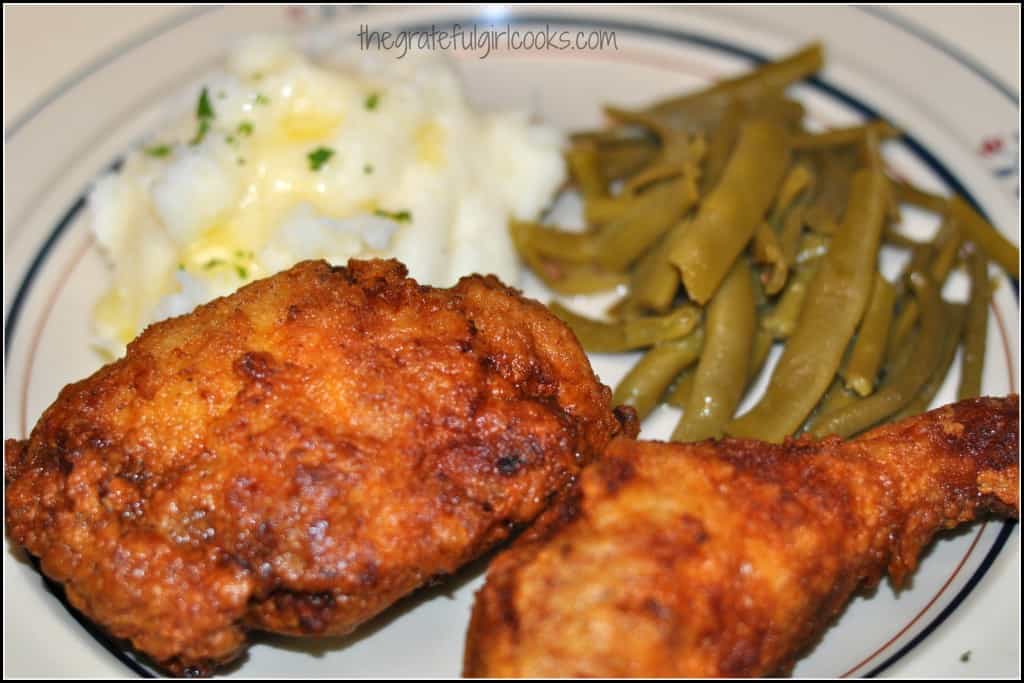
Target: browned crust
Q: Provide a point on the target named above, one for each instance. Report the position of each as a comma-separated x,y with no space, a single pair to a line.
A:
730,558
297,456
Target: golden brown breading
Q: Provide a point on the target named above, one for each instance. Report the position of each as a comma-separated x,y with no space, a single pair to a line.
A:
731,558
297,456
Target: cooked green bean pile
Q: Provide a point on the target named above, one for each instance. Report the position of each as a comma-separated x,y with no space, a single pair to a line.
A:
733,228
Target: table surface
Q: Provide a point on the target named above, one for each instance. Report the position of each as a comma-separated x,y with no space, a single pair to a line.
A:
43,45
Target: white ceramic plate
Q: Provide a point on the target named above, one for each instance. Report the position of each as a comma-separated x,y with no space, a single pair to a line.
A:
964,598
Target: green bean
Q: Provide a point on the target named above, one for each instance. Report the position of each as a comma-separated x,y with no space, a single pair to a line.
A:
629,334
682,388
605,136
644,331
835,304
922,199
760,296
720,145
598,210
920,256
571,247
651,215
681,156
821,218
894,237
679,153
762,346
900,390
798,180
991,241
624,158
774,107
647,381
781,320
954,324
907,309
722,371
837,137
767,249
837,397
812,246
623,308
947,246
872,152
901,327
792,230
571,278
976,329
767,78
649,121
869,347
773,241
835,171
727,218
654,281
897,359
937,257
679,392
585,169
562,277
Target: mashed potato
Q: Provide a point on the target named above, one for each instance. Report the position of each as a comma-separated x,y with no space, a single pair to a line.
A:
280,158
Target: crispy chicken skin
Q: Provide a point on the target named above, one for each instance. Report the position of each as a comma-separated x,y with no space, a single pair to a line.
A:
297,456
731,558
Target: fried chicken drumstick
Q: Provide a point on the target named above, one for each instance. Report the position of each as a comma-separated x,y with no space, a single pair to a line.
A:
297,456
730,558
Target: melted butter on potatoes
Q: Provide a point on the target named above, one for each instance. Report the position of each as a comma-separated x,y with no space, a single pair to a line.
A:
280,158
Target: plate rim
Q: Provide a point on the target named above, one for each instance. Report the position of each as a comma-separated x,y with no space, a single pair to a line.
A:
907,25
45,248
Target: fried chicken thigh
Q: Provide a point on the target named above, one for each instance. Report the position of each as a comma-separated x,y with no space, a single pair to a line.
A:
299,455
730,558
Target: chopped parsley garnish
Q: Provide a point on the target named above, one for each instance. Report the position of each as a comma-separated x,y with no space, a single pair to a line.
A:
204,110
372,101
400,216
318,157
213,263
204,113
158,150
181,266
245,128
242,253
204,126
242,272
367,169
262,99
230,139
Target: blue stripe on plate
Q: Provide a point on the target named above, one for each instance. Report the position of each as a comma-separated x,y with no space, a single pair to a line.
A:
93,629
926,36
990,557
671,34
